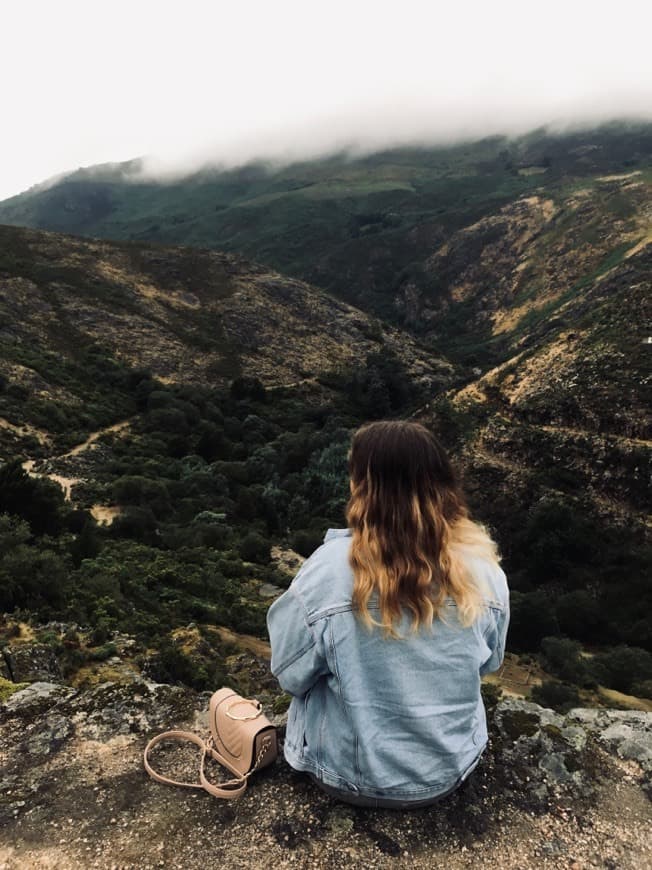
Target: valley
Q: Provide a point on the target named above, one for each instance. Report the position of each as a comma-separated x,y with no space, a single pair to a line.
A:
196,405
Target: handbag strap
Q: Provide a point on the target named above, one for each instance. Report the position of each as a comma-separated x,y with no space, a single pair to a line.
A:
231,789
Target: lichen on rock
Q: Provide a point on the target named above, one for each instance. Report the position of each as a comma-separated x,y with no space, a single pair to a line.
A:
73,792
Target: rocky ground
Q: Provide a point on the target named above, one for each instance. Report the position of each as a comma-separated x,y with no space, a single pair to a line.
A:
551,792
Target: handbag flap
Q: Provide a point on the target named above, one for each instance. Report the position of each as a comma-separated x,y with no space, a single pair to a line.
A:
235,722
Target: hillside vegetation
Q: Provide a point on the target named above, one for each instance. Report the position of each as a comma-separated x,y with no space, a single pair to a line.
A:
358,226
503,299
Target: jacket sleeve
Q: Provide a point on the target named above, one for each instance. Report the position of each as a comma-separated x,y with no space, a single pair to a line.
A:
298,658
496,634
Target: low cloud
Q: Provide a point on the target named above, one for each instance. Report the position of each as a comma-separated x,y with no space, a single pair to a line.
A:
222,84
356,133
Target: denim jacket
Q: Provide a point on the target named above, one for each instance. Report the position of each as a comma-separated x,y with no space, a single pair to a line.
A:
379,717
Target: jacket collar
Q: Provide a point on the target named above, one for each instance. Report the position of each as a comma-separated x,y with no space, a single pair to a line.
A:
336,533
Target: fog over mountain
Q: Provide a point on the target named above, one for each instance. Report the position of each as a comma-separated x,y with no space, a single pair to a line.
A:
226,85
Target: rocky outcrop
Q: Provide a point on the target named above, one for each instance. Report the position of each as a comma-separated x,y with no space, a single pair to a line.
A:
30,662
550,791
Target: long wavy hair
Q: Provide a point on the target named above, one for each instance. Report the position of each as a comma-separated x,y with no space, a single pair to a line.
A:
411,528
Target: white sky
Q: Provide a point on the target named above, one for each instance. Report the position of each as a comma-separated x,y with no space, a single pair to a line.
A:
95,81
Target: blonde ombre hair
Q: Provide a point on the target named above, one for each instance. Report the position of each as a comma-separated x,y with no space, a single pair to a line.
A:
411,529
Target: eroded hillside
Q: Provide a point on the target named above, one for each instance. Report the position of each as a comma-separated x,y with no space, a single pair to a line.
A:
502,284
76,314
565,292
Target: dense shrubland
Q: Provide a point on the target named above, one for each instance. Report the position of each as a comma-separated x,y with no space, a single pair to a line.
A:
208,480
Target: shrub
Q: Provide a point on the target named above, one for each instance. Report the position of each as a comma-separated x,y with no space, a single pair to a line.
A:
102,653
36,500
248,388
491,694
642,689
561,656
255,548
580,615
562,697
559,542
532,619
622,667
306,541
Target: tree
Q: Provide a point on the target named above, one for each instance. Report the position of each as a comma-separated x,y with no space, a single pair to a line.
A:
248,388
559,542
255,548
560,696
561,656
41,502
579,615
86,545
532,619
620,668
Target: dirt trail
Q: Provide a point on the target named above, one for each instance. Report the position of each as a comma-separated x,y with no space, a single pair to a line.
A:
100,512
93,437
585,433
25,430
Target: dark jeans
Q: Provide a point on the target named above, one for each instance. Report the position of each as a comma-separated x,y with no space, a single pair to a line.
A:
380,803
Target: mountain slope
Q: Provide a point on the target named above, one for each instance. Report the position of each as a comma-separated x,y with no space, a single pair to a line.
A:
360,228
79,316
557,457
496,285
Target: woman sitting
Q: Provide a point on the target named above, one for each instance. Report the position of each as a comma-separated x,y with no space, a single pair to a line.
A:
385,631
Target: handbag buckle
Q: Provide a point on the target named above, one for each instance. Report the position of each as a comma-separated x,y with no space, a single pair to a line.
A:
257,704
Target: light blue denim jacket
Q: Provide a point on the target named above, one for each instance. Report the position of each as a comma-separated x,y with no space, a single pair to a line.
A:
378,717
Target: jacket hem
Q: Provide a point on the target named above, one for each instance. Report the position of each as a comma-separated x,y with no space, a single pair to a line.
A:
302,764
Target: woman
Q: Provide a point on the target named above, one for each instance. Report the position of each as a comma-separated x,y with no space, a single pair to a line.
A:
385,631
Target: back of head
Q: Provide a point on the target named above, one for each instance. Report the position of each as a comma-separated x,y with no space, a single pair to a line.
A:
410,525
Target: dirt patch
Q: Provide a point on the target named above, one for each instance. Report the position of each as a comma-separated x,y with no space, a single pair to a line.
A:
547,206
515,678
645,241
25,430
245,641
623,701
120,275
622,177
474,391
535,370
105,514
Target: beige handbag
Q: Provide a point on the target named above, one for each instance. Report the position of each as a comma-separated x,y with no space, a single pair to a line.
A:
242,740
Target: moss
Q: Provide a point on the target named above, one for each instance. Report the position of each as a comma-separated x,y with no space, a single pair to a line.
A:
281,703
552,731
491,694
572,763
7,689
517,723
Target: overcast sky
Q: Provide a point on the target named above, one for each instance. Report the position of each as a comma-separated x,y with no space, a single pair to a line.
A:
95,81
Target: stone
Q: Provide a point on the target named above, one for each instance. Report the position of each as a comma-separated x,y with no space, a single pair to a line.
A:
635,749
49,736
268,590
35,697
575,736
553,764
28,663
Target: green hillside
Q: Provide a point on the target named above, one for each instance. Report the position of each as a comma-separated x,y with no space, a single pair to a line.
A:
358,227
174,420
